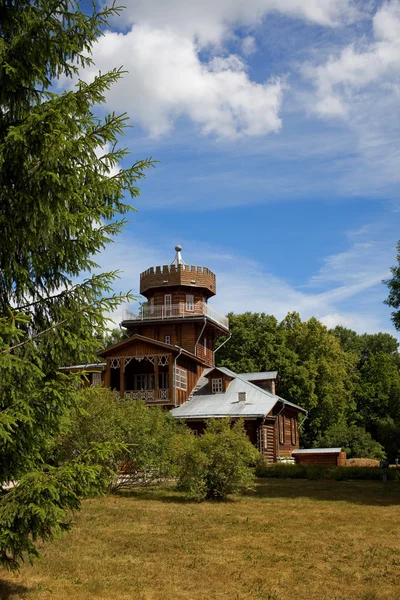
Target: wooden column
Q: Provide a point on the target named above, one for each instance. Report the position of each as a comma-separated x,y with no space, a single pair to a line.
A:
171,378
122,376
156,378
107,375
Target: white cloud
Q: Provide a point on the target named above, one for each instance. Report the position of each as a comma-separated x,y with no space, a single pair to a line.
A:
342,80
167,80
249,45
212,21
360,86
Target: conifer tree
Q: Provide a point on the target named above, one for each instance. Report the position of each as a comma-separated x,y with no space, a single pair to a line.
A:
59,205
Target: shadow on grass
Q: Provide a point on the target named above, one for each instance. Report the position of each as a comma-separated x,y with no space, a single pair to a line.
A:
371,493
12,591
164,494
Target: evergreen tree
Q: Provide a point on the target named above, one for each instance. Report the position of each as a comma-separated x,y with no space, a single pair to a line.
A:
59,205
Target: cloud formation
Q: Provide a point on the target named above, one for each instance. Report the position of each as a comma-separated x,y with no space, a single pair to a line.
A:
168,78
167,81
212,21
341,81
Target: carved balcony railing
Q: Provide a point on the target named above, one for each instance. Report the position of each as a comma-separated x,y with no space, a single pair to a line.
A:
148,395
174,311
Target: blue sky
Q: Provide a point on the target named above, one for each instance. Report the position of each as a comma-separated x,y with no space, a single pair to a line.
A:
276,124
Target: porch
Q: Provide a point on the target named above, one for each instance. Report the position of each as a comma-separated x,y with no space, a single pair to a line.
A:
148,377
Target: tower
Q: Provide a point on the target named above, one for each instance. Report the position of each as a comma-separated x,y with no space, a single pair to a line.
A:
177,311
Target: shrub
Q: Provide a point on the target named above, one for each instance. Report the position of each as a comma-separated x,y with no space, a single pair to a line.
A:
143,437
218,463
312,472
354,440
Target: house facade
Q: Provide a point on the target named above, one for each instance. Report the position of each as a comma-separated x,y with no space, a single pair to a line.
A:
169,361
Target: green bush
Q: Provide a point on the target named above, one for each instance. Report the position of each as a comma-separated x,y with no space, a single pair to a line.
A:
354,440
334,473
143,437
216,464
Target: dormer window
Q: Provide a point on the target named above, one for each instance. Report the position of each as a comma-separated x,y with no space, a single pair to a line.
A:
216,385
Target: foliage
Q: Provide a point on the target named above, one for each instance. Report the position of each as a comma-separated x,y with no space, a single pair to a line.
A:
354,440
59,205
313,472
113,336
144,436
218,463
314,372
393,300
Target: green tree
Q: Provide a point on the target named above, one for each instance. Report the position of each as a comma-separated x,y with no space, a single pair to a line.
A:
313,369
59,206
144,436
393,299
218,463
354,440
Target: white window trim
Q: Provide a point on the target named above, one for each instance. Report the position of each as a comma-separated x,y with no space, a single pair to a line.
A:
190,302
216,385
167,339
180,378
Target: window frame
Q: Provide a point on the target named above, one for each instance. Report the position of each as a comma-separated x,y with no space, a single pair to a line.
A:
180,378
167,339
96,375
217,385
189,305
281,429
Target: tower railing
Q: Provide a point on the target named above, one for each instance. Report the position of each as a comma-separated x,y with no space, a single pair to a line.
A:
176,311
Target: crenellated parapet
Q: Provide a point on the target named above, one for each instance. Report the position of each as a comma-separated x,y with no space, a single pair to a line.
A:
178,275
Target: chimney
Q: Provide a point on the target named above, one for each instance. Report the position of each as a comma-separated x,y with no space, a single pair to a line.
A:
242,396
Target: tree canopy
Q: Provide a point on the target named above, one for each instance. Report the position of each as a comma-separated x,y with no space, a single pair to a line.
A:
348,383
60,203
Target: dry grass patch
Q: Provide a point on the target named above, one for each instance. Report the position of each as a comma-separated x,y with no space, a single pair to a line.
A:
289,540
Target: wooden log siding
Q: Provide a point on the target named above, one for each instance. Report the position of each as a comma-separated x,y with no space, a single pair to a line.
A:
321,459
182,275
287,432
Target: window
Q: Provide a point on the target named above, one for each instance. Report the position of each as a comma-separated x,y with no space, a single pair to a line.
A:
167,339
216,385
163,380
293,430
205,345
282,430
140,382
180,378
189,303
96,378
151,305
265,438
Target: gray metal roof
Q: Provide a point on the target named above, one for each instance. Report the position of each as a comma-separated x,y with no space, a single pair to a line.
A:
259,376
318,451
85,366
205,405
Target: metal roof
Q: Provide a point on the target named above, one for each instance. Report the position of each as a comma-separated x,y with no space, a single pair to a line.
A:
205,405
318,451
85,366
259,376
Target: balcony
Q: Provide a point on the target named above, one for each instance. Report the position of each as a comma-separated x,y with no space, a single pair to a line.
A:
177,311
148,395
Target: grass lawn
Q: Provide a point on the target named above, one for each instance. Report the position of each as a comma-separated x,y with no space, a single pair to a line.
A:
288,540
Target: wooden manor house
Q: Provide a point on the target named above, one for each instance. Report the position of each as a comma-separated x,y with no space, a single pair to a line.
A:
169,361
